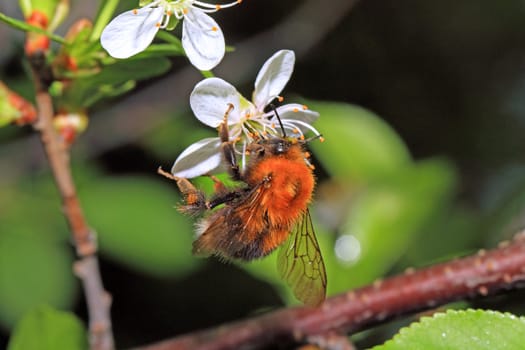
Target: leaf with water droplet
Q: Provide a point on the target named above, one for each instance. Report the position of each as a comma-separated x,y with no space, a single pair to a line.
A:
465,329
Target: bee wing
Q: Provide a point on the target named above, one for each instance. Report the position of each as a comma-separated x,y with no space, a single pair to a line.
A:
301,265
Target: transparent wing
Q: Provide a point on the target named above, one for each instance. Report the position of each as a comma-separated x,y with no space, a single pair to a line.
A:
301,265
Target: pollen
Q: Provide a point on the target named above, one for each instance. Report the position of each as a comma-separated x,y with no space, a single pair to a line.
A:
301,137
280,98
273,125
169,13
158,24
305,107
321,139
185,11
239,1
307,154
295,130
135,11
296,110
214,29
217,7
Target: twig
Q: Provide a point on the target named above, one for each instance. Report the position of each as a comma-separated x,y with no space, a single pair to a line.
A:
484,273
86,268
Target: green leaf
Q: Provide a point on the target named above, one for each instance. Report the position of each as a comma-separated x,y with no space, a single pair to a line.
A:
469,329
35,254
112,80
385,219
47,329
15,23
33,270
359,145
26,6
138,225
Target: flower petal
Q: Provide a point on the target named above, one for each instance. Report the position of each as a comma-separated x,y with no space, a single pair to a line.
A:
131,32
295,111
202,39
209,101
273,77
198,159
294,115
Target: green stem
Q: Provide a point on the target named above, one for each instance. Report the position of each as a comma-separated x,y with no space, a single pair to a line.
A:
15,23
105,13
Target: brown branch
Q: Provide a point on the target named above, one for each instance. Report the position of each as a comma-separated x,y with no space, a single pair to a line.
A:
484,273
86,268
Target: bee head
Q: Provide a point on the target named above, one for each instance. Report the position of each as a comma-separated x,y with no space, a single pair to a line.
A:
279,145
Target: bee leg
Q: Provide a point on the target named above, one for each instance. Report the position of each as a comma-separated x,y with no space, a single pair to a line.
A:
194,200
228,150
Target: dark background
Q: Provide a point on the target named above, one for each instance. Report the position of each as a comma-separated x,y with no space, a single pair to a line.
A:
447,76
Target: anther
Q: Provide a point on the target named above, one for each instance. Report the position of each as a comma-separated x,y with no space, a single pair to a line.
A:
214,29
135,11
217,7
305,107
280,98
296,110
321,139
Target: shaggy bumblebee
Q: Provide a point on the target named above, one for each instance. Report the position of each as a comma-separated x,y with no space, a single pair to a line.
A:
269,209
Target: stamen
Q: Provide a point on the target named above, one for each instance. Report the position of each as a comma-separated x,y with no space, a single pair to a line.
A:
321,139
280,98
296,110
135,11
305,107
214,29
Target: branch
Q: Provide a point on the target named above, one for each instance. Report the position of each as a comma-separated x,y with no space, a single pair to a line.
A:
86,267
484,273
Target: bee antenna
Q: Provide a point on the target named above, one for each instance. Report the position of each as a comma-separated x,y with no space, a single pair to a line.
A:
278,118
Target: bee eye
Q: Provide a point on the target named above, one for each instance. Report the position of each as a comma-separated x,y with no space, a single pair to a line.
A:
280,147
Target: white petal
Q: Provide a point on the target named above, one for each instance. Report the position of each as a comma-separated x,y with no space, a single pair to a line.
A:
296,116
209,101
202,40
198,159
273,77
295,111
131,32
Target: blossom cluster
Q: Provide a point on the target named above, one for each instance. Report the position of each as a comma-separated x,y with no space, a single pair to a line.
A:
133,31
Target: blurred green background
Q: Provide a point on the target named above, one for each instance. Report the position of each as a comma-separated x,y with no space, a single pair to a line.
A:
423,109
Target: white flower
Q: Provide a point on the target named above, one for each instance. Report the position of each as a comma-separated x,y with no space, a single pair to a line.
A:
133,31
210,99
